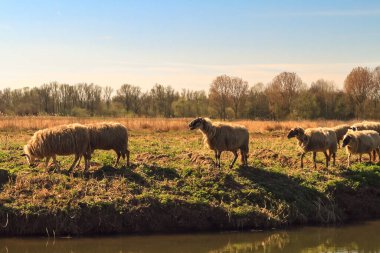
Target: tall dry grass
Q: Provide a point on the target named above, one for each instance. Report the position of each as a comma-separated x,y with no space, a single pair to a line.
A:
154,124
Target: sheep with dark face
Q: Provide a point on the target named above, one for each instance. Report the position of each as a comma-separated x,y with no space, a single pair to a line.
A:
221,137
340,131
316,140
60,140
362,142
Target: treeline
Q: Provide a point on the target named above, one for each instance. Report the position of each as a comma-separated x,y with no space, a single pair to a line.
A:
285,97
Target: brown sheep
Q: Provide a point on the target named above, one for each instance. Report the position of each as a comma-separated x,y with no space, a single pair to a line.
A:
109,135
340,131
60,140
316,140
221,137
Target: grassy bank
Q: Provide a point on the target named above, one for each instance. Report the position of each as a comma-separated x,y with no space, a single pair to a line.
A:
173,186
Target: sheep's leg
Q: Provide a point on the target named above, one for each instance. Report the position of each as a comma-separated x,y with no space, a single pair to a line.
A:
234,160
216,158
244,155
327,159
334,158
118,158
74,163
302,155
56,165
360,158
348,160
47,163
219,154
87,158
314,159
374,155
245,158
127,153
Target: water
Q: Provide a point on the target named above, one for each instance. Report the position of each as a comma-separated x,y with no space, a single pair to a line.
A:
364,237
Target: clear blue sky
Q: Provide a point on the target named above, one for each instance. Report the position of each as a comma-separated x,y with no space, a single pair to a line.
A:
184,44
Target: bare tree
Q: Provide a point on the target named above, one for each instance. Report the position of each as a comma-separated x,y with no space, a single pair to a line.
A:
324,91
238,93
107,93
130,95
359,85
282,91
219,94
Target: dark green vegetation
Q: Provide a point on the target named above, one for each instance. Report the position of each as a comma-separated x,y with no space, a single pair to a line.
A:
173,186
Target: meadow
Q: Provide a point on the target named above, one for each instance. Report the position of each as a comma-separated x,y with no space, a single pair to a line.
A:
172,184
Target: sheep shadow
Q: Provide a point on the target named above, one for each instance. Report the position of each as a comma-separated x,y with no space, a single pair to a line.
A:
368,176
4,178
107,171
159,173
293,190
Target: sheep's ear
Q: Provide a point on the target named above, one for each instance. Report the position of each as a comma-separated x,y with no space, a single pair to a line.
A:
23,155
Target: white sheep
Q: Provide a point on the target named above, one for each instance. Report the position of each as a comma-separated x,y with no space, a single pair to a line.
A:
110,136
60,140
221,137
362,142
316,140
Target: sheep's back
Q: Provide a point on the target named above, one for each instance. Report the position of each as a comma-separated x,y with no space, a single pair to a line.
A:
108,136
368,125
321,139
340,131
229,137
62,140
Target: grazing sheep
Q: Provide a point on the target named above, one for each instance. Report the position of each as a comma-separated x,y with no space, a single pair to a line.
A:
366,125
316,140
109,135
362,142
340,131
60,140
223,137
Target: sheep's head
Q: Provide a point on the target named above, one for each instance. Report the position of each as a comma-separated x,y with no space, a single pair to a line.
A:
347,139
353,128
295,132
197,123
29,157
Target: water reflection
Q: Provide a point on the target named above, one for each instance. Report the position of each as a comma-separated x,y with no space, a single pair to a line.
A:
353,238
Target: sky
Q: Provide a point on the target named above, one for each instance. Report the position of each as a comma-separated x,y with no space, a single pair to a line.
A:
184,43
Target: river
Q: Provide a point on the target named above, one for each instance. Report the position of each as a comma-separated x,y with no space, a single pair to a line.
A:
363,237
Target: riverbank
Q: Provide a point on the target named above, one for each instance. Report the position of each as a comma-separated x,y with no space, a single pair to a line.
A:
172,186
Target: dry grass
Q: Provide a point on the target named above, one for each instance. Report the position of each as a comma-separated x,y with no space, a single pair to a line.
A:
155,124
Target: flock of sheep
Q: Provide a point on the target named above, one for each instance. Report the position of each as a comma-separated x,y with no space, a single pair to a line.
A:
81,141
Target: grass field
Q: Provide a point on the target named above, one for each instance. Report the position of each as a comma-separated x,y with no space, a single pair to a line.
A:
172,184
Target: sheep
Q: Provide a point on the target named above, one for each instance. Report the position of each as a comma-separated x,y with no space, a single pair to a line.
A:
60,140
221,137
362,142
110,135
340,131
316,140
366,125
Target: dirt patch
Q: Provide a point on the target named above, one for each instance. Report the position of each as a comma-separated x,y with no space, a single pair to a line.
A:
268,154
200,159
149,158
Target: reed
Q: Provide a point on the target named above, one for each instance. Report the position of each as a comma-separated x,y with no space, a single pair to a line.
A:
155,124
